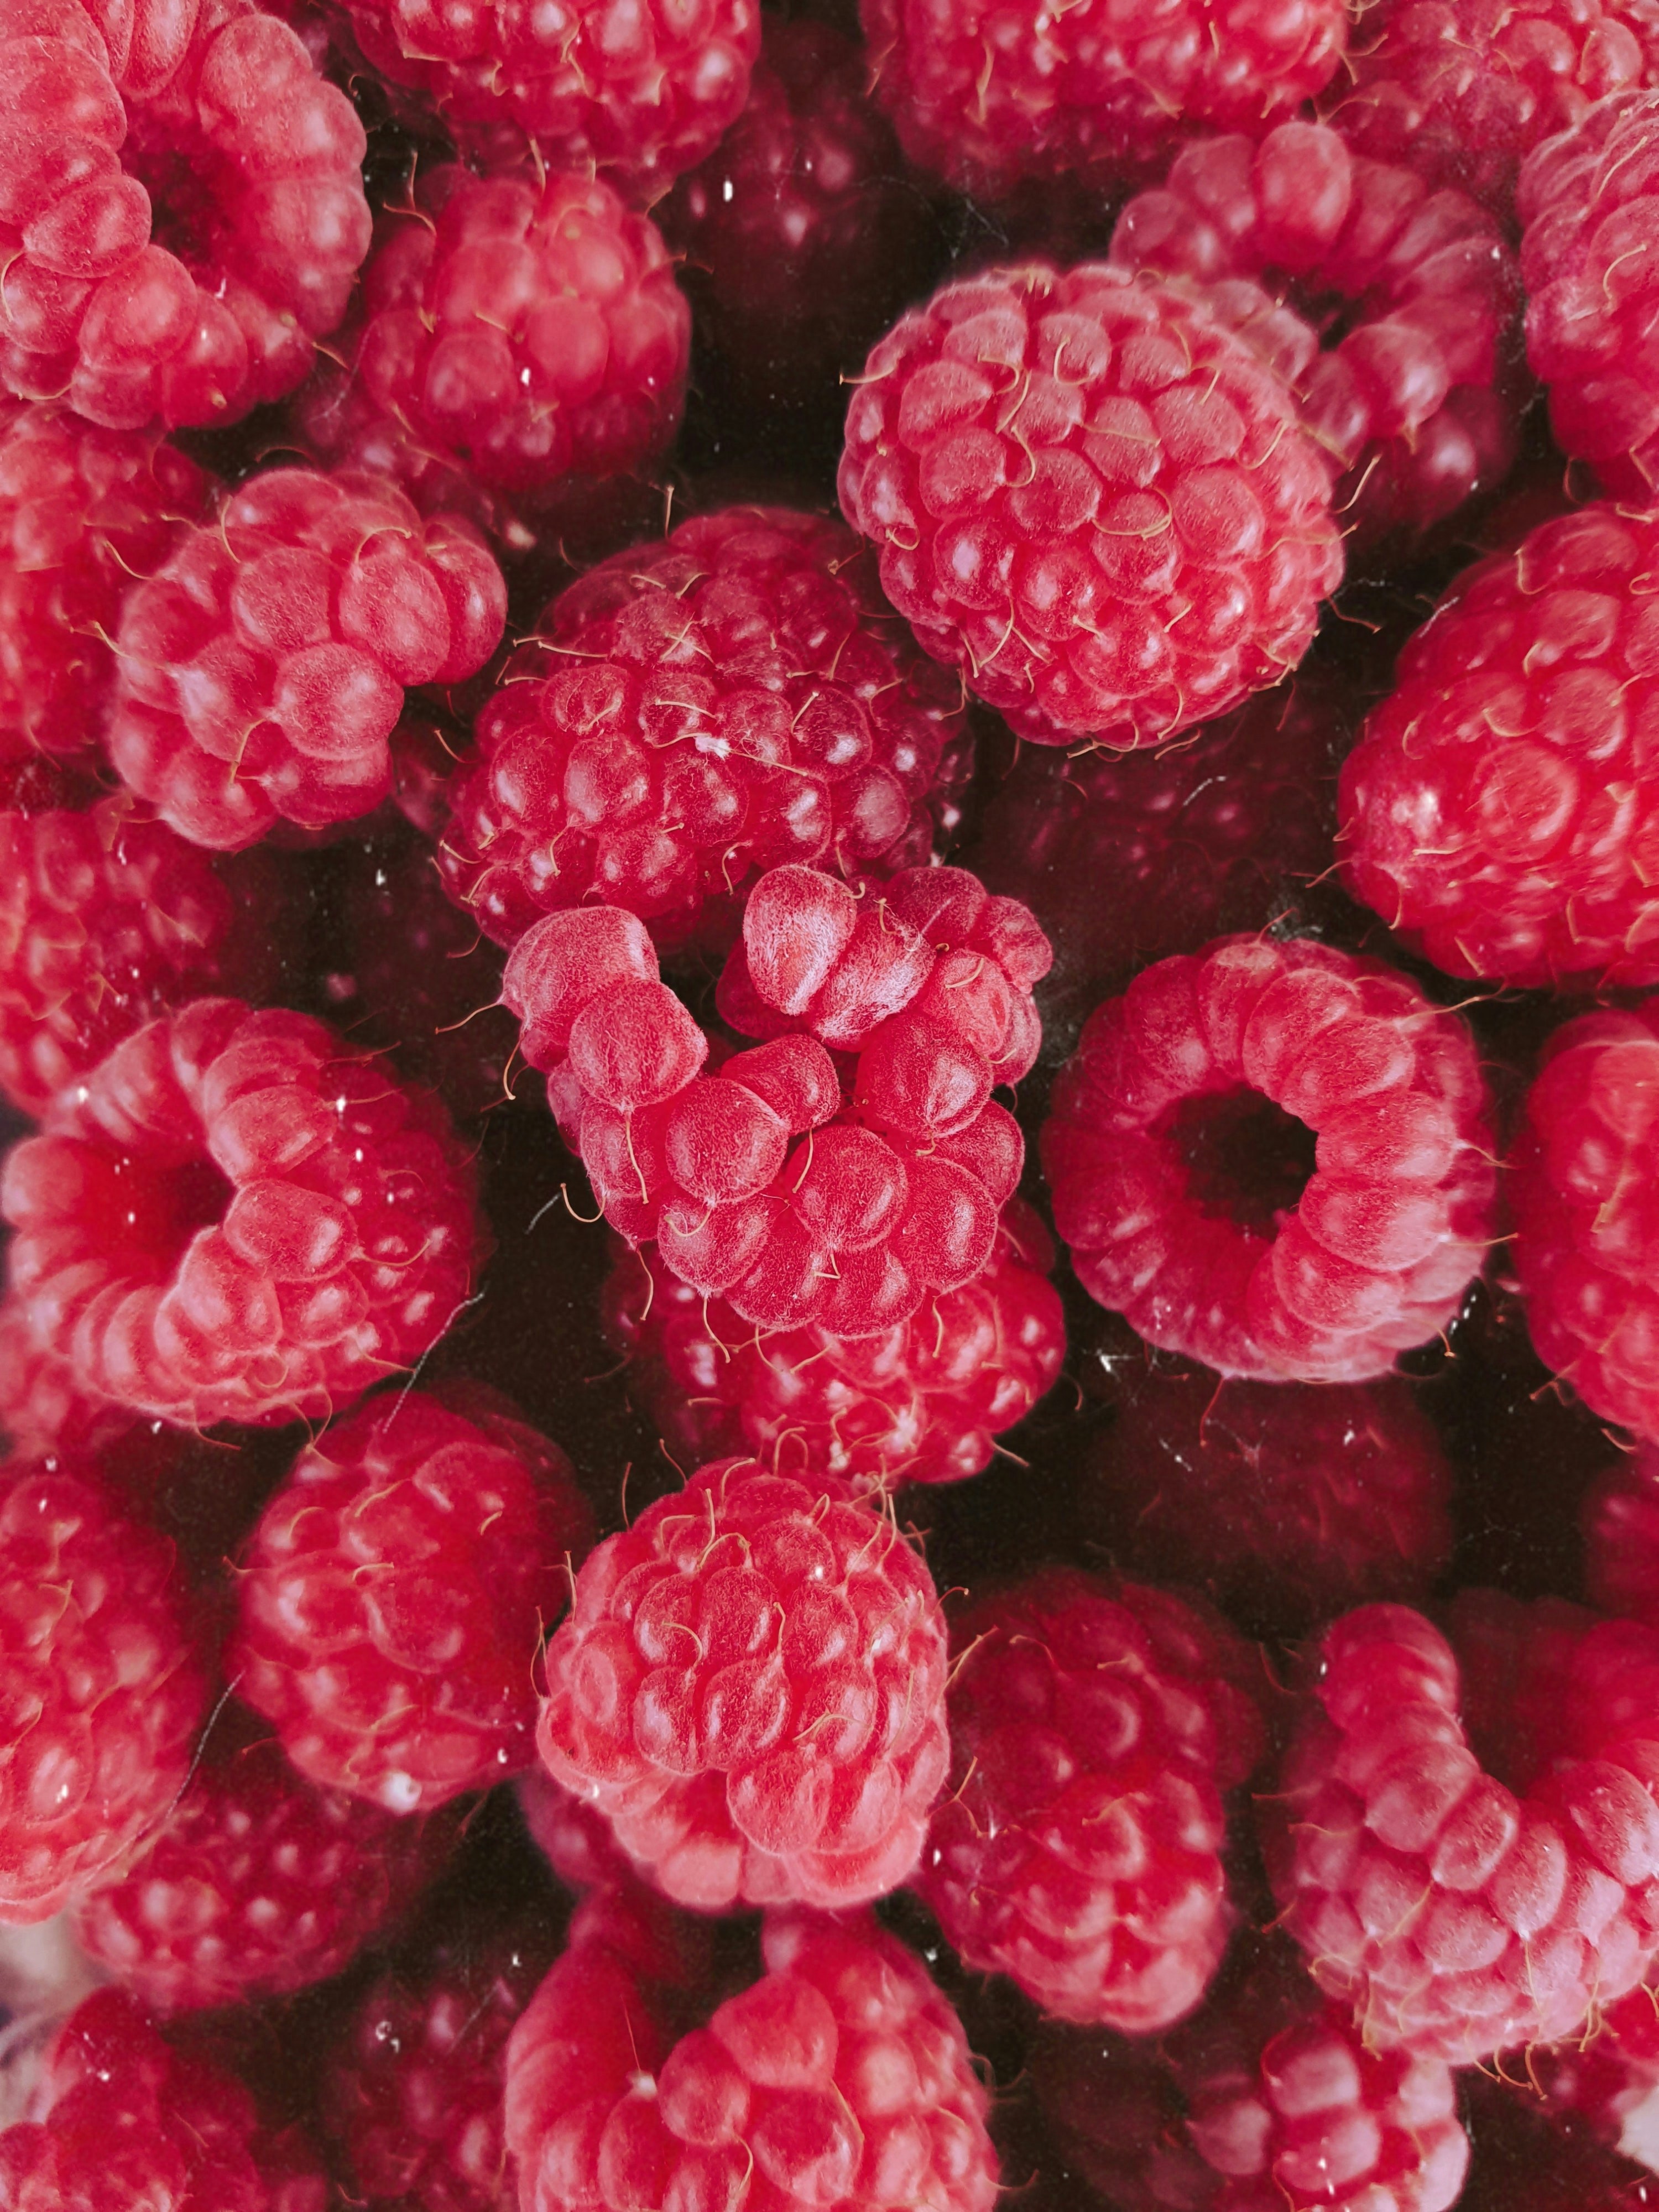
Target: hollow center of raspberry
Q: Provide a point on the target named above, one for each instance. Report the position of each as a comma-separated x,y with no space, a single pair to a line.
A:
155,1212
1246,1158
185,201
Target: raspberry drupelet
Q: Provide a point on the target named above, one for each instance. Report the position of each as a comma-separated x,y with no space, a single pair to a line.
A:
751,1685
1275,1158
734,697
1583,1171
989,98
1093,498
198,222
515,339
1095,1729
392,1601
237,1218
262,669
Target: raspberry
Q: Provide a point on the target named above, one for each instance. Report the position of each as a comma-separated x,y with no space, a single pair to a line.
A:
391,1600
1581,1172
1612,2080
1498,809
235,1217
1094,1728
1590,207
1457,1916
121,2120
108,919
574,1837
258,1884
1178,1154
44,1410
751,1685
841,2077
1415,398
924,1402
1059,467
83,510
103,1687
1287,1504
183,213
263,667
693,712
513,333
988,98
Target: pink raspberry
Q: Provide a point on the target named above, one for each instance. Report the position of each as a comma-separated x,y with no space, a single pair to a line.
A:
393,1598
514,337
183,213
262,668
924,1402
1583,1171
235,1217
1499,811
1416,396
1178,1154
737,697
1095,1728
104,1689
842,2077
1093,499
988,97
1590,203
573,1836
83,511
1610,2082
1287,1503
121,2119
751,1685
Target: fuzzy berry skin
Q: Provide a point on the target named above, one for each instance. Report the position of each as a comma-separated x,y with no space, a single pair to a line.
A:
1581,1172
1416,400
83,511
750,1685
1458,1916
989,97
120,2120
1499,811
1286,1503
922,1402
262,668
104,1686
235,1217
258,1885
511,332
392,1601
733,698
1095,1728
1092,499
198,222
1187,1202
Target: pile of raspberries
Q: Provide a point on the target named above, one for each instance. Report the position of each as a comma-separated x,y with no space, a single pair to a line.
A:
828,1106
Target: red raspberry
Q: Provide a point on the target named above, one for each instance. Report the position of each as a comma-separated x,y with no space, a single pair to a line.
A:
571,1836
262,668
987,97
922,1402
1061,466
235,1217
44,1410
83,511
841,2077
1458,1916
1178,1153
183,213
693,712
1611,2080
1094,1728
1582,1172
750,1685
512,332
121,2120
257,1885
392,1601
1590,207
1415,398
